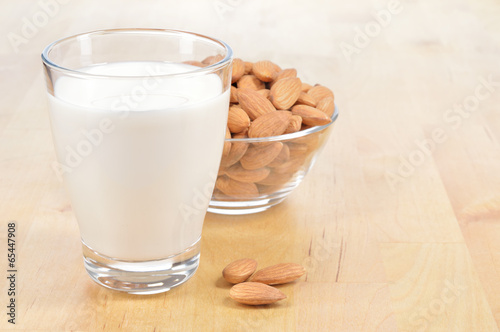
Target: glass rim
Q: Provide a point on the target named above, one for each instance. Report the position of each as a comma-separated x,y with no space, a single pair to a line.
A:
196,70
285,137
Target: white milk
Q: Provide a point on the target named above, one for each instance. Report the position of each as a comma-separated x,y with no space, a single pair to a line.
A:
139,157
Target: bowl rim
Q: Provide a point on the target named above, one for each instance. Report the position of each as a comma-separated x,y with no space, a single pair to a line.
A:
300,133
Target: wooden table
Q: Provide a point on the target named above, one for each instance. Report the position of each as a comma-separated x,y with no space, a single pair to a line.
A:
398,224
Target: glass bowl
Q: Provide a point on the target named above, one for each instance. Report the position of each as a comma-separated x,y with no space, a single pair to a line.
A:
259,173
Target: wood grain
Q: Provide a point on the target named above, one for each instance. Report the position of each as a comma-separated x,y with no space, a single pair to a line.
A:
398,230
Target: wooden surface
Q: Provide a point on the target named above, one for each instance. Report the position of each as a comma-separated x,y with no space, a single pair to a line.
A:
398,224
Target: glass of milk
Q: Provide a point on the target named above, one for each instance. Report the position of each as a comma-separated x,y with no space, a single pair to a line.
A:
138,124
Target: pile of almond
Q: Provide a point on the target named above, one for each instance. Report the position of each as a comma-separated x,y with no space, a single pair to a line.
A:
268,101
253,288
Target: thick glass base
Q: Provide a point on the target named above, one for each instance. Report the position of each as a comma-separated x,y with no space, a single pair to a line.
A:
243,207
142,277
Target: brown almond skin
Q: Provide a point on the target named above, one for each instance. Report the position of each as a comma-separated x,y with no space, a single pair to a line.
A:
278,274
210,60
237,172
270,124
306,87
260,156
285,73
311,116
233,99
236,188
194,63
254,103
254,293
285,92
239,270
277,177
284,171
264,92
281,158
327,106
238,150
294,125
237,119
250,82
227,145
306,99
238,69
221,170
265,70
319,92
248,67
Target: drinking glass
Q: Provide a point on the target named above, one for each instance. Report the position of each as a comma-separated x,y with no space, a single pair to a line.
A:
138,120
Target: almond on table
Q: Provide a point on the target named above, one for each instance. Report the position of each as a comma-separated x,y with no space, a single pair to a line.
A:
256,290
239,270
255,293
278,274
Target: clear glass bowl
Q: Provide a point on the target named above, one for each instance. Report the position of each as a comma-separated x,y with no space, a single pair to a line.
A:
259,173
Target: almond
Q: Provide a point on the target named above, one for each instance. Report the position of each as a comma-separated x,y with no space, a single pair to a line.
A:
306,99
306,87
254,103
227,145
284,172
264,92
194,63
221,170
260,156
239,270
237,119
278,274
237,172
236,188
250,82
310,115
254,293
294,125
266,190
311,140
238,69
265,70
285,73
243,134
248,67
297,149
237,151
281,158
210,60
327,106
285,93
276,178
319,92
270,124
233,99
